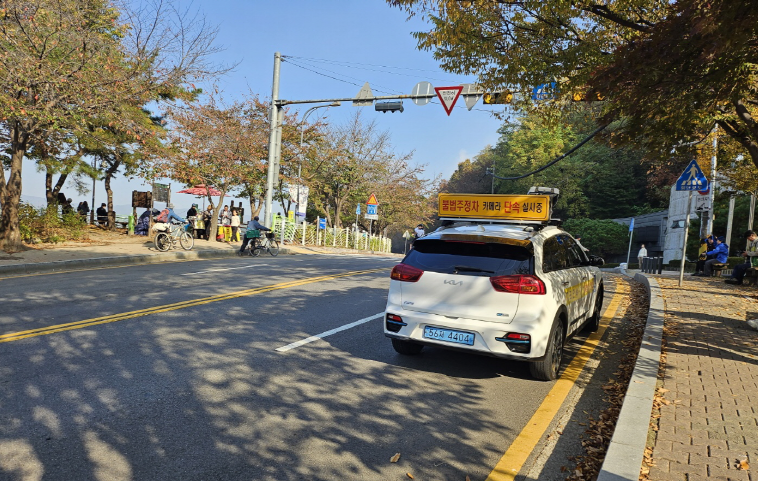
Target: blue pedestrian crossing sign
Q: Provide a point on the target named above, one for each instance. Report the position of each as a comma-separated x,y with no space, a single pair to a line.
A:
371,209
692,178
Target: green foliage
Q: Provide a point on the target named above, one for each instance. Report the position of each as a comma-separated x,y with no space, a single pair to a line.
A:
46,225
667,70
601,237
596,181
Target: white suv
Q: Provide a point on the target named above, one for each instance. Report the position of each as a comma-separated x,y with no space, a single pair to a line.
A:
510,291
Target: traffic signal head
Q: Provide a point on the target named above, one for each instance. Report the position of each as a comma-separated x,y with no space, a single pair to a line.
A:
498,97
388,106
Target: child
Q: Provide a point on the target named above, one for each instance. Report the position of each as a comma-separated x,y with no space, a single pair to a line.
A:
235,226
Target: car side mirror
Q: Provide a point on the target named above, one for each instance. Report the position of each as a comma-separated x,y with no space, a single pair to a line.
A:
596,261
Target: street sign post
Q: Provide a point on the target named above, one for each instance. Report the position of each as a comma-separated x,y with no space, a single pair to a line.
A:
322,224
691,179
471,95
372,206
365,95
422,88
448,96
358,210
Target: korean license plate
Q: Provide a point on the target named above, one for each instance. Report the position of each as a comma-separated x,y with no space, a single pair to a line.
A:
449,335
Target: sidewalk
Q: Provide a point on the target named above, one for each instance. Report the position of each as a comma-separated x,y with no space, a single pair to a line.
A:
708,425
105,248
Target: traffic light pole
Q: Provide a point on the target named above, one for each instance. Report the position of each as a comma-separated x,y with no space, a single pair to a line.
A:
272,143
276,118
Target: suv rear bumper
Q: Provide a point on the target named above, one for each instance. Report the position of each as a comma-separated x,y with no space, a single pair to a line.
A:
486,333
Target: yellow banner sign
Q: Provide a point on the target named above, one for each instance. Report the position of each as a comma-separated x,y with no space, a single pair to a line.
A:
495,206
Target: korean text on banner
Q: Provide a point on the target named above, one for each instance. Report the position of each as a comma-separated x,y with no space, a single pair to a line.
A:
494,206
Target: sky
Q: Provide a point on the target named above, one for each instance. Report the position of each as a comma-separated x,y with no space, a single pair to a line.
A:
331,48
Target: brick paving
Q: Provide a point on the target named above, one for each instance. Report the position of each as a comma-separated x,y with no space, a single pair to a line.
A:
709,416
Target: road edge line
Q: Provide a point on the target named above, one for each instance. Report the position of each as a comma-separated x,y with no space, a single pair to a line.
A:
623,460
511,463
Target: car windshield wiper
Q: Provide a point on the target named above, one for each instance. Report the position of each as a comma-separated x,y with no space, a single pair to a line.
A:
470,269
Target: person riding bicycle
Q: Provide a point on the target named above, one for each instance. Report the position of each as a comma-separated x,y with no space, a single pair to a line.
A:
252,225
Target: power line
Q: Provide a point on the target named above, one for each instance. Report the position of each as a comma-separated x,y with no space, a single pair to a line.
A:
347,65
554,161
390,91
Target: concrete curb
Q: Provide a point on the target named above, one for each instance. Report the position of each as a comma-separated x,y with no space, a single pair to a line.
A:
37,267
623,460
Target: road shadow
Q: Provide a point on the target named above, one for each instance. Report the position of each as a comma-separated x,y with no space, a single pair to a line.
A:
201,394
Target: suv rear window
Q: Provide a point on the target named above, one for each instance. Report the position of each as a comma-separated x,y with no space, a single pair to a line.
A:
470,258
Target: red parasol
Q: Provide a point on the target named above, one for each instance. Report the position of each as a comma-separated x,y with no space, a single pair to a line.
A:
200,190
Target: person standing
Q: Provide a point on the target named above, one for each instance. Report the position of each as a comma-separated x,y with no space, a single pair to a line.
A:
738,273
235,224
716,256
224,219
207,217
641,255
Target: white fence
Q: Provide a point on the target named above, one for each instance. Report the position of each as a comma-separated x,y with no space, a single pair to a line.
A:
306,234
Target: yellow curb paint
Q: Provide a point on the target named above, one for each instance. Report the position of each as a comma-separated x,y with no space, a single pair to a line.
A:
514,458
15,336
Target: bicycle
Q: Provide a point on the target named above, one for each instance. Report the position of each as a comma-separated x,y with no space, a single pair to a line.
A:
268,244
170,235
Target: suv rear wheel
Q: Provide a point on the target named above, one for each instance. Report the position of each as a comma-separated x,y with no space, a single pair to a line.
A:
547,369
407,348
594,323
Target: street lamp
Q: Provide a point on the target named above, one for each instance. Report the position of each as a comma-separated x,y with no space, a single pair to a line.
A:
302,133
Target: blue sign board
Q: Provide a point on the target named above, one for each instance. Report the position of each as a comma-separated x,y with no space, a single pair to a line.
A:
322,223
358,210
692,178
371,209
544,92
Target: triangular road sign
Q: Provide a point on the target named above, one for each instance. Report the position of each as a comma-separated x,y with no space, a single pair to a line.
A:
692,178
471,95
372,200
365,93
448,96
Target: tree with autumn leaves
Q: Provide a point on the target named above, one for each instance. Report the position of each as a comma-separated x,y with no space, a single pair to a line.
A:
71,67
667,71
355,159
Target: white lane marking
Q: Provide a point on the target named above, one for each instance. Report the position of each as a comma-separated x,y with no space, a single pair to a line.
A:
223,269
328,333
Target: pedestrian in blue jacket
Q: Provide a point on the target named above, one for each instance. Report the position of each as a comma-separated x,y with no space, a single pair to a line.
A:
716,256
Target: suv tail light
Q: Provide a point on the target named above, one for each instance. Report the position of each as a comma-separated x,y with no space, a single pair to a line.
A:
518,284
405,273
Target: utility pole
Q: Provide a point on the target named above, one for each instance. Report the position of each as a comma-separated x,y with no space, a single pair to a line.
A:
713,180
729,221
272,142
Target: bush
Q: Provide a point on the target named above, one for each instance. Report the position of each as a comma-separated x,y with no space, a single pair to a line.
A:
602,237
46,225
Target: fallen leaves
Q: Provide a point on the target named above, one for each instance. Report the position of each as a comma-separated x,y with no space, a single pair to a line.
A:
395,458
409,475
742,464
600,430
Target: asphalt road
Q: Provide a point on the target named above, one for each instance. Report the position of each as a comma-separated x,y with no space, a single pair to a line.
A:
188,371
